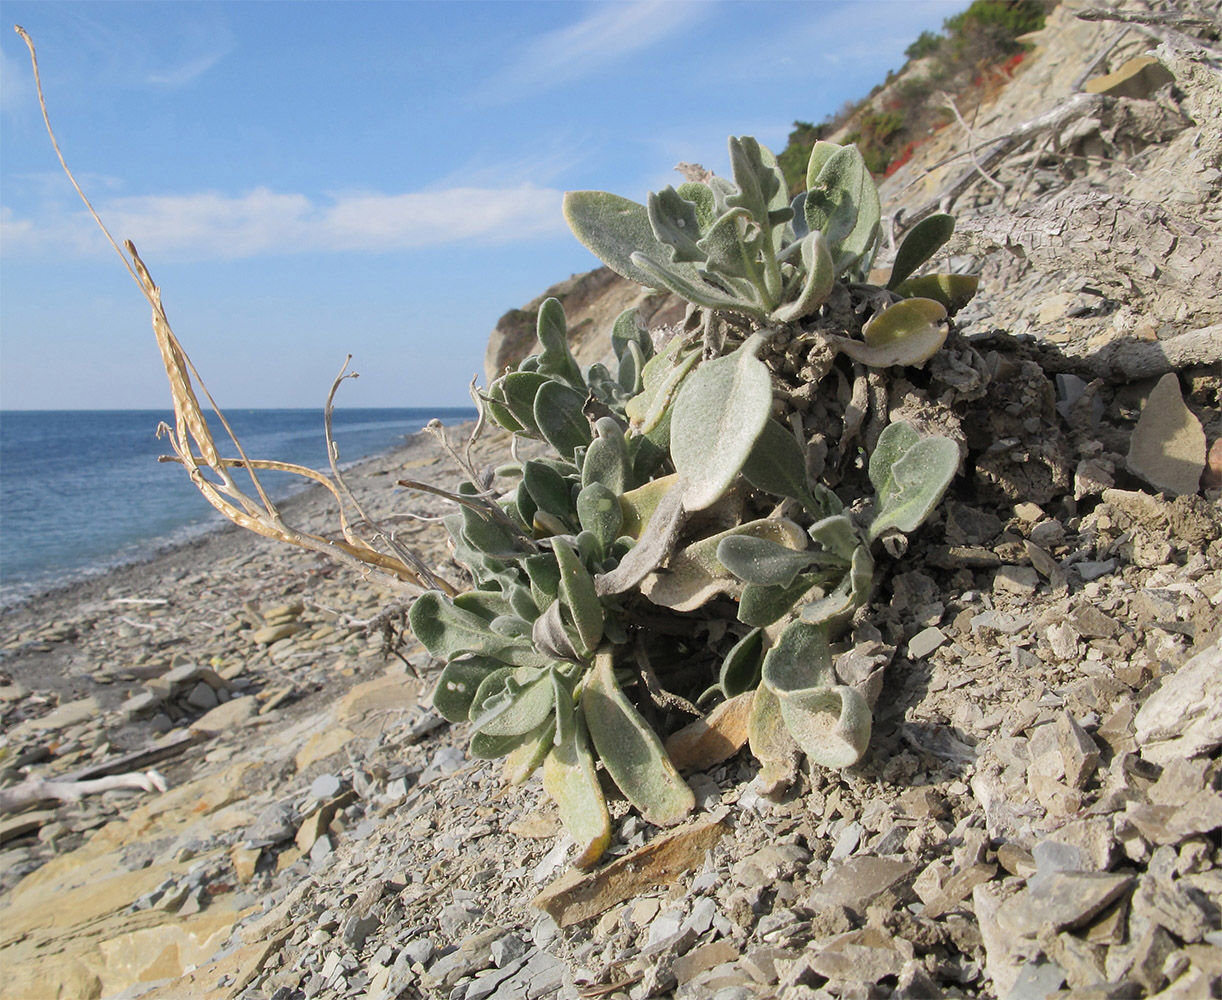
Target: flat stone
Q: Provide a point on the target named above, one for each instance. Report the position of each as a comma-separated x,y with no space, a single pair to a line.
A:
1036,981
1079,754
957,888
857,881
1019,581
202,696
322,745
268,634
472,955
1061,900
1167,448
71,713
227,717
703,958
925,642
1183,718
577,896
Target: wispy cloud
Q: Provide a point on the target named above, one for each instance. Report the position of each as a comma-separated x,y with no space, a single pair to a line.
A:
613,32
204,42
16,90
215,225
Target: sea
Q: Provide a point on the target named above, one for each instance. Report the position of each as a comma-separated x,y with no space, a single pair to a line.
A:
82,491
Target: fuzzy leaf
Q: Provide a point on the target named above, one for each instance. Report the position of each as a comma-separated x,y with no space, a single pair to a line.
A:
485,747
729,249
544,573
517,707
458,683
771,743
740,670
571,781
834,610
655,544
579,597
607,458
816,286
759,182
613,229
548,488
776,465
830,723
926,238
910,332
692,287
674,223
836,535
842,203
638,505
599,512
761,606
520,389
522,761
659,381
556,359
447,632
631,751
701,196
559,415
954,291
627,330
910,475
494,402
551,636
719,413
764,562
820,153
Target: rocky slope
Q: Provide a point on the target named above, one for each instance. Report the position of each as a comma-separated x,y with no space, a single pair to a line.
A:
1039,812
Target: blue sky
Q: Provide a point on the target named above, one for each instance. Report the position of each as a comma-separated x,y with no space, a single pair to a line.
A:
306,180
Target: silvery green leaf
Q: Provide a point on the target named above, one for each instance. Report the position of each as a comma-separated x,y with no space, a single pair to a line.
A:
524,759
776,465
771,743
910,474
518,706
837,536
740,670
627,330
925,239
489,536
650,449
563,686
570,779
954,291
548,488
607,458
830,723
613,229
655,544
560,416
820,275
835,610
599,512
556,360
494,402
692,287
589,549
511,626
523,603
579,598
761,186
447,631
908,332
732,247
764,562
720,411
798,207
525,507
487,604
520,389
674,223
701,196
800,659
551,637
760,606
631,751
661,380
485,747
843,204
638,505
631,365
459,681
820,153
544,573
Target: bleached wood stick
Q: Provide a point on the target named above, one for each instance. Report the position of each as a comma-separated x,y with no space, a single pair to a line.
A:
39,789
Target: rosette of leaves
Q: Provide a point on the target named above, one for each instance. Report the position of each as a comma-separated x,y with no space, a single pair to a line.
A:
670,545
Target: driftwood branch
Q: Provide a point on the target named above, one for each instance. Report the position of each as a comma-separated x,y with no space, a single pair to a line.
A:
34,790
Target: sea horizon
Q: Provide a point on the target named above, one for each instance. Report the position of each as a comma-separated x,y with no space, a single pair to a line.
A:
82,491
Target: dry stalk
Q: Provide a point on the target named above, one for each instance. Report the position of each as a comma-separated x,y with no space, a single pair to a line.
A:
195,447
